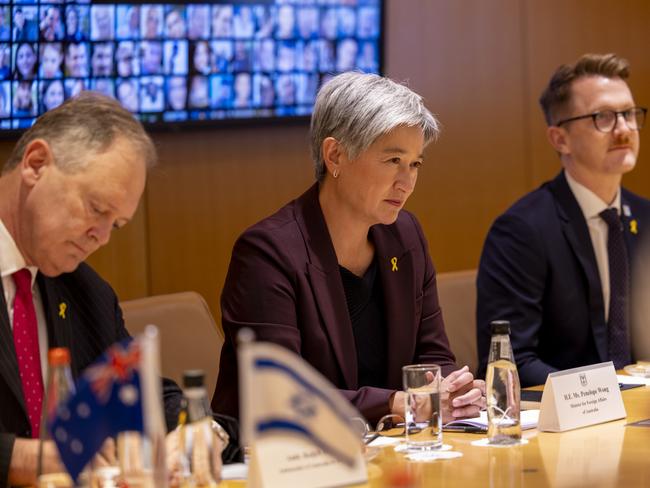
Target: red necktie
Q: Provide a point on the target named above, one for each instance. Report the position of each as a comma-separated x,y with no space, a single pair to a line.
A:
26,345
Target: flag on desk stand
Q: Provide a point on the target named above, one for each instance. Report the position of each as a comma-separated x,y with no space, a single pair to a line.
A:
287,402
120,392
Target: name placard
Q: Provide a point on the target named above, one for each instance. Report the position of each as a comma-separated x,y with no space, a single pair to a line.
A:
283,461
580,397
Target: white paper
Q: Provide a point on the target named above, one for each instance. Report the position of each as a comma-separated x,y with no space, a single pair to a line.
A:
632,380
528,419
235,471
386,441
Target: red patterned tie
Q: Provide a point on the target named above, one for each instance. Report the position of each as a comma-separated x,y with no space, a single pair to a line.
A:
26,345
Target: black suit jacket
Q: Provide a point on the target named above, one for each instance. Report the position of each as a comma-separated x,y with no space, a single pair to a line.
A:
93,321
538,270
284,283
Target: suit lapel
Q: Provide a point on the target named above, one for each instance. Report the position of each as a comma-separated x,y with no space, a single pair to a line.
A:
577,234
325,278
8,360
58,320
398,284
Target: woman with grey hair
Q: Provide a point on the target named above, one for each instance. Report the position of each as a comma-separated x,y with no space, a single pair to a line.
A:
342,275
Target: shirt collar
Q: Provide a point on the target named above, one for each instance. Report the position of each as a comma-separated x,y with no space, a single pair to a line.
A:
11,260
590,203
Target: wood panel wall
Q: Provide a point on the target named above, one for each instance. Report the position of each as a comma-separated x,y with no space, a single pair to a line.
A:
481,66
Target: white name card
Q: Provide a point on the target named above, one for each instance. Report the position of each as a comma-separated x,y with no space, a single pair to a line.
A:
580,397
283,461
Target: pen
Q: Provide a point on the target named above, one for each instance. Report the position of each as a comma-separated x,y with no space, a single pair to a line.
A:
465,429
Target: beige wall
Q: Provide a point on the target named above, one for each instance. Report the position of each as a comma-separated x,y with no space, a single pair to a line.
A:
480,65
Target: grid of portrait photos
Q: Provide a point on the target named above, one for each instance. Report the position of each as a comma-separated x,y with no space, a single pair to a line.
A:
181,61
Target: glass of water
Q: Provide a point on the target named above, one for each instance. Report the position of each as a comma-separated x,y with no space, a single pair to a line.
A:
423,414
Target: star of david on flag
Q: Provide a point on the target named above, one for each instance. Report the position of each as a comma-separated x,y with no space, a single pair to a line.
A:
108,401
280,394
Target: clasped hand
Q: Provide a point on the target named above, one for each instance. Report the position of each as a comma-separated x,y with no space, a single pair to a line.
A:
461,396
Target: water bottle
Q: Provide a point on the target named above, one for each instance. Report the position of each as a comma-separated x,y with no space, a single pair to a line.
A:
502,388
59,387
196,435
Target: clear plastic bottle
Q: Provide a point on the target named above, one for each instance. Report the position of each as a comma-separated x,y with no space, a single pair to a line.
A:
59,387
196,435
502,388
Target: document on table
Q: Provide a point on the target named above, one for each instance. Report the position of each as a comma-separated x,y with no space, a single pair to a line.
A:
236,471
528,419
624,379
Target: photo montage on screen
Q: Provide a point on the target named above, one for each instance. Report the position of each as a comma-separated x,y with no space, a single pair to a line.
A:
174,62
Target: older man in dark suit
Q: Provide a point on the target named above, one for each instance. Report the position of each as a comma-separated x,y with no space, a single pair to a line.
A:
72,178
558,263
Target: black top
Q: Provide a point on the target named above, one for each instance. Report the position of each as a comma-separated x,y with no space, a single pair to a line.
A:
366,308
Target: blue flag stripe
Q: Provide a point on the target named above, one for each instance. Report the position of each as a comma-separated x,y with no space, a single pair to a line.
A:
291,427
272,364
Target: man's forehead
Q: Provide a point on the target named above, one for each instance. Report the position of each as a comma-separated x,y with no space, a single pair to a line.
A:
594,91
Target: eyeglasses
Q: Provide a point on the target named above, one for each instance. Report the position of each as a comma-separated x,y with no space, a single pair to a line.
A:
606,120
388,426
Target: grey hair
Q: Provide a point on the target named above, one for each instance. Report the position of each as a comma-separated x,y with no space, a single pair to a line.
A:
357,108
88,123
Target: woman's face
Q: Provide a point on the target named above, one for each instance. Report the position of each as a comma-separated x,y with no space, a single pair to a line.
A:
53,96
378,182
26,60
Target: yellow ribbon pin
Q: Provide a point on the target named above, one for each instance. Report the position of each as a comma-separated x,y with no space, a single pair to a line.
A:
633,227
62,308
393,261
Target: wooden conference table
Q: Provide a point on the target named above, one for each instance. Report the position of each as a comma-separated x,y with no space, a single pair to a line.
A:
604,455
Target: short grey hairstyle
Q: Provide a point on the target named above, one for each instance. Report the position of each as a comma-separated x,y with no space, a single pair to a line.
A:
357,108
87,123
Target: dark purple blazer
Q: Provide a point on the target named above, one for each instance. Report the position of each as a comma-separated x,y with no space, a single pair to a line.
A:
284,283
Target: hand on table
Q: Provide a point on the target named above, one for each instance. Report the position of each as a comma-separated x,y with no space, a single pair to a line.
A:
174,458
461,395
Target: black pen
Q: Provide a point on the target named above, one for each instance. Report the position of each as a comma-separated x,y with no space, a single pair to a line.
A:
465,429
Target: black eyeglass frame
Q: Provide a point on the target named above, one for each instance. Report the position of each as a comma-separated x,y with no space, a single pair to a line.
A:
593,116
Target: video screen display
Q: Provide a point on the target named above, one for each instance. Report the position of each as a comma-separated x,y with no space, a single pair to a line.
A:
180,62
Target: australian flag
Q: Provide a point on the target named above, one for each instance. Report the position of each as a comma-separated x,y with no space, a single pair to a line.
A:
108,401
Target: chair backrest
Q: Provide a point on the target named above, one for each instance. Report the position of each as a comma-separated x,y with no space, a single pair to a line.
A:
457,294
189,336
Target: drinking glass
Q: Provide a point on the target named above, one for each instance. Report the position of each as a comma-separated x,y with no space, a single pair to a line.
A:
422,406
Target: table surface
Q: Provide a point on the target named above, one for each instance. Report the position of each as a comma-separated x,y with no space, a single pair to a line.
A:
603,455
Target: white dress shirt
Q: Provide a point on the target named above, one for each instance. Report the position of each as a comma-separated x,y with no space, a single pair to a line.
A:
11,261
591,206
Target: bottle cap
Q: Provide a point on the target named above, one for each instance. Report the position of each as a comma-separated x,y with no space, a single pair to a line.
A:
500,327
193,378
58,356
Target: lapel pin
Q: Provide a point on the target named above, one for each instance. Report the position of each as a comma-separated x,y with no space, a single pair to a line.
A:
626,211
633,226
62,308
393,261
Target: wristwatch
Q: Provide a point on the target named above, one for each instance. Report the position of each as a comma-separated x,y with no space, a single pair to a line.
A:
220,432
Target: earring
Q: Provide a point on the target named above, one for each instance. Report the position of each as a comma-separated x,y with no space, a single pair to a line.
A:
335,173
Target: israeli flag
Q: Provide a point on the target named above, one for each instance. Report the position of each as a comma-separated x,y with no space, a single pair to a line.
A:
281,394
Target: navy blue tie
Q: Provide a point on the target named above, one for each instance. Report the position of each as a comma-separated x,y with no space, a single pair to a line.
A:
619,288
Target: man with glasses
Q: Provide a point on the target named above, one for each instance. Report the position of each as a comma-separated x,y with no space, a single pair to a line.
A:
557,264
